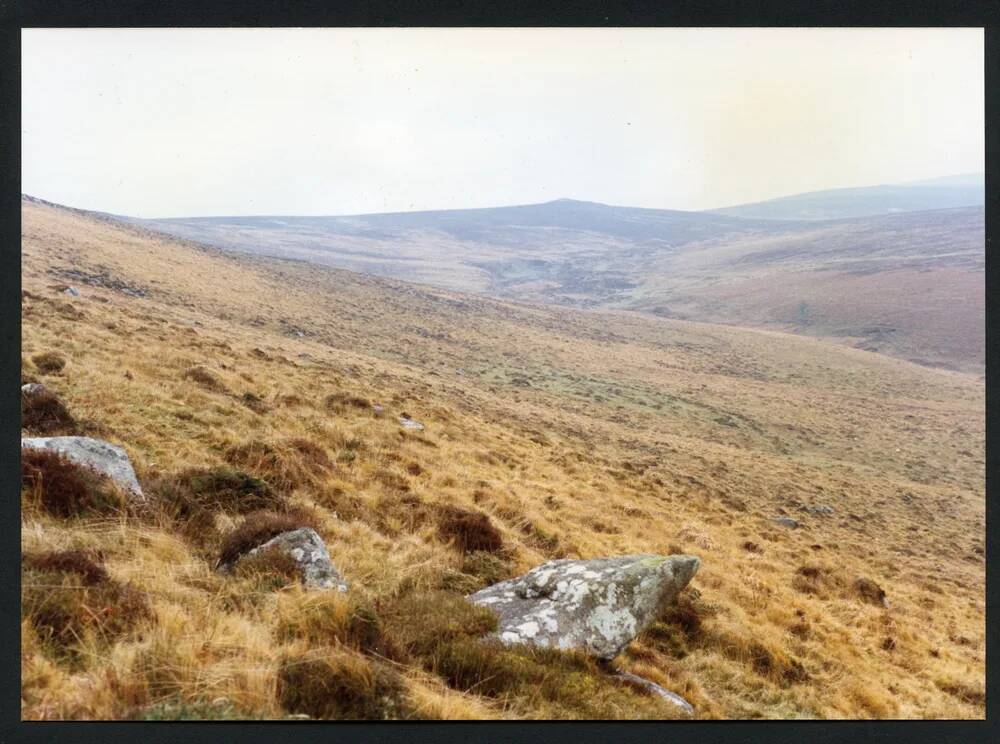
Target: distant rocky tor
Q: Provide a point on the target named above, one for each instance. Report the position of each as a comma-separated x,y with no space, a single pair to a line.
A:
308,551
596,605
96,454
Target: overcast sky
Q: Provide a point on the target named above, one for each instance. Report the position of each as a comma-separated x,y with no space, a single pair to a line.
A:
156,123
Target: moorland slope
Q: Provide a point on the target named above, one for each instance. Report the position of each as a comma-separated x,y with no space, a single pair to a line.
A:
576,433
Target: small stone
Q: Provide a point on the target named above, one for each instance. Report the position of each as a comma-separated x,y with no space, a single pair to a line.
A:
408,423
32,388
308,551
786,522
655,689
72,291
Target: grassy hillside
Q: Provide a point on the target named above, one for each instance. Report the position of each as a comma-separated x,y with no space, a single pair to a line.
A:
577,433
868,201
910,285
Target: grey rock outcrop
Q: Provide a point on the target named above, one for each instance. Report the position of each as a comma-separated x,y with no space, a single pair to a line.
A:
100,456
32,388
408,423
654,689
308,551
596,605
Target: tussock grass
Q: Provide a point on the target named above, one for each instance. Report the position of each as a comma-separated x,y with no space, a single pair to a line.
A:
43,414
220,489
285,466
205,378
49,362
73,604
469,530
340,684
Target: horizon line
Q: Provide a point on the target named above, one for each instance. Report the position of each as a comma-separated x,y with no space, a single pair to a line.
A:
917,183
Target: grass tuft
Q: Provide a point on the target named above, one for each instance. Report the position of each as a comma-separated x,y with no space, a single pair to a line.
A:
49,362
286,466
205,378
44,414
341,684
72,603
470,530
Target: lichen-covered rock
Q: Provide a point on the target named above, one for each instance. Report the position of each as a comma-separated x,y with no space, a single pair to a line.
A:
598,605
408,423
654,689
309,552
96,454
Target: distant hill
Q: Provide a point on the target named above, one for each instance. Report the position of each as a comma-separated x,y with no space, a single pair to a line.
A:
938,193
909,284
492,223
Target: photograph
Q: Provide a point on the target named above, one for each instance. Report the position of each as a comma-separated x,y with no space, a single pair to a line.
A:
447,373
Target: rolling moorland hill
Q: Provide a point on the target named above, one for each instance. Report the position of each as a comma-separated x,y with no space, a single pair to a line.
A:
577,433
869,201
908,284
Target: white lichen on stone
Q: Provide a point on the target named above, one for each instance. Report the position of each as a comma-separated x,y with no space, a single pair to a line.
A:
309,552
598,605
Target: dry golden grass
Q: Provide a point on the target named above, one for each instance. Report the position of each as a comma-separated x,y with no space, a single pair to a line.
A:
574,433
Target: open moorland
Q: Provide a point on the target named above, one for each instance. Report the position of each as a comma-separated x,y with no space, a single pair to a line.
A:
252,391
909,284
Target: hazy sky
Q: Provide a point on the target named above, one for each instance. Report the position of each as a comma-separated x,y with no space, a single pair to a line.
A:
157,123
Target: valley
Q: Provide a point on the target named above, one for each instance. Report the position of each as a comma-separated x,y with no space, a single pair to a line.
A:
908,284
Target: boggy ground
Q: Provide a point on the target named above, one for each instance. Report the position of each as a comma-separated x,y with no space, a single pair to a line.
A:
242,389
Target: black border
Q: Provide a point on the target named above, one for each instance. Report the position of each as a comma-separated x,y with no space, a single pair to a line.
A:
235,13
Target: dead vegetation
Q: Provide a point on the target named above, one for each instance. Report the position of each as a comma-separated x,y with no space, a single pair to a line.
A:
469,530
49,362
43,414
341,685
74,606
204,377
284,465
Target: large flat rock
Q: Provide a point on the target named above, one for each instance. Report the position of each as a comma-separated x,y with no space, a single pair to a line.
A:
596,605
